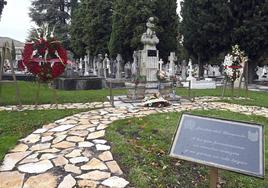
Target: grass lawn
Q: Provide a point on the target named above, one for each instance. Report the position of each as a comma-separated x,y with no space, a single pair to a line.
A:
256,98
141,147
28,94
16,125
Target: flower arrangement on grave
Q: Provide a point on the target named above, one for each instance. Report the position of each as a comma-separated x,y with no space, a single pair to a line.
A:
161,76
233,63
44,56
155,100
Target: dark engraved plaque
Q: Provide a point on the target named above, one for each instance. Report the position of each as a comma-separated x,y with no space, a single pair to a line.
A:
229,145
152,53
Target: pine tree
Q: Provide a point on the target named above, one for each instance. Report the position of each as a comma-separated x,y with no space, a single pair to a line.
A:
205,28
128,29
54,12
77,44
116,41
166,12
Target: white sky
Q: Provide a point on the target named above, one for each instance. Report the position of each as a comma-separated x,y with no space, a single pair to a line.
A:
15,22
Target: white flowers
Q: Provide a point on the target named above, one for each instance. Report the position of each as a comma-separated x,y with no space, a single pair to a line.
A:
233,63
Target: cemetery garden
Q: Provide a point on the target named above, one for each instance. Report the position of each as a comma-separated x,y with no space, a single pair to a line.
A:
132,106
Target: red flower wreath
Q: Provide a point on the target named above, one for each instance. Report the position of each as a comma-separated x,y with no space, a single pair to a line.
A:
45,58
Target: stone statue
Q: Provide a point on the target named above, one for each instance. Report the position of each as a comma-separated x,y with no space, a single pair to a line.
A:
149,38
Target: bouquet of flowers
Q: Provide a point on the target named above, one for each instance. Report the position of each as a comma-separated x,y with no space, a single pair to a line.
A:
44,55
233,63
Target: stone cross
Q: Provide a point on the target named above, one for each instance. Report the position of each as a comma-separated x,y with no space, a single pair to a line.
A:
190,71
172,58
161,62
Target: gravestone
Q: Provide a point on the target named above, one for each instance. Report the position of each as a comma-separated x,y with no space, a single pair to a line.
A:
119,62
183,70
172,58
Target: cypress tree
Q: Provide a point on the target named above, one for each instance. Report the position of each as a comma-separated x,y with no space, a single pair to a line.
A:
166,12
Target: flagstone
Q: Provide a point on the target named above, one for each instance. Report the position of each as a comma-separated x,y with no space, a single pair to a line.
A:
46,180
99,141
101,147
39,147
53,150
61,128
30,159
20,148
63,145
91,129
113,166
106,156
85,144
87,184
47,138
72,168
11,179
79,133
74,153
31,139
38,167
115,182
12,159
76,160
97,134
60,161
102,126
75,139
95,175
59,139
47,156
67,182
39,131
94,164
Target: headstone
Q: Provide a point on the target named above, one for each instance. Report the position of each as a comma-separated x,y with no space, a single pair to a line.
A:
99,65
149,54
216,70
127,70
205,70
119,62
86,61
183,70
172,58
262,73
94,65
190,71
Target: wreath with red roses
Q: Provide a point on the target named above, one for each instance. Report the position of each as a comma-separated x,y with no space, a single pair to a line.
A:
45,57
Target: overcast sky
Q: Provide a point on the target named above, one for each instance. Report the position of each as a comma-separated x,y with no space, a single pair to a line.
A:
15,22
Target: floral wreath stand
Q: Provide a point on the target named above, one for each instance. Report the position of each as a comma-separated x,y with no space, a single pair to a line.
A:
45,69
242,78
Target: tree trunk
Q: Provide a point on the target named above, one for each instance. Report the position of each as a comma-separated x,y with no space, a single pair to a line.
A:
251,71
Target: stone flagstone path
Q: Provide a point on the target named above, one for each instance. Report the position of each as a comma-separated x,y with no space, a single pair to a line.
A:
73,152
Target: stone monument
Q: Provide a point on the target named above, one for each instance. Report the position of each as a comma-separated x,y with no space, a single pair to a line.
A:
149,54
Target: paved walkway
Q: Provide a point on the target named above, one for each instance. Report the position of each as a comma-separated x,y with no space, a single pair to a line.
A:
73,152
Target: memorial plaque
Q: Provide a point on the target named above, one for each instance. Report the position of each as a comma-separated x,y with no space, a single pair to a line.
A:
152,53
224,144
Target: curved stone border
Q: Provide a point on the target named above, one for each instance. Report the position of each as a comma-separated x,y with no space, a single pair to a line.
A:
92,105
72,152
